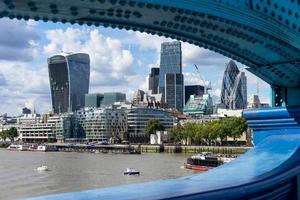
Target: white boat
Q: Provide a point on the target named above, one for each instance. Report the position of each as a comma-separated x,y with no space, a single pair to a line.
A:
18,147
45,148
131,171
42,168
33,147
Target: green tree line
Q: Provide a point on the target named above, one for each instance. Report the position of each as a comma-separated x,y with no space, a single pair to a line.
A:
210,133
11,134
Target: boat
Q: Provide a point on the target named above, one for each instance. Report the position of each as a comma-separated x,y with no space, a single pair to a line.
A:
45,148
206,161
131,171
42,168
33,147
18,147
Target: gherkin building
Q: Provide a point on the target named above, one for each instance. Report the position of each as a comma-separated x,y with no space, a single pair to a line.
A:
234,87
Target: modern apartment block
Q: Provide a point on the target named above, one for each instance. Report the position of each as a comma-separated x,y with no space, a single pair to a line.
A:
234,88
170,75
101,124
69,76
50,128
37,133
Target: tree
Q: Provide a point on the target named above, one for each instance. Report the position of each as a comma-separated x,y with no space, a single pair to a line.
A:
153,125
176,133
3,135
12,133
190,131
238,126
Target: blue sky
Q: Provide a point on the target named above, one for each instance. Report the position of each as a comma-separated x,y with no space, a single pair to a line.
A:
120,61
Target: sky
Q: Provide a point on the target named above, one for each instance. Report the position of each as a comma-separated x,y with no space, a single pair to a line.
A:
120,61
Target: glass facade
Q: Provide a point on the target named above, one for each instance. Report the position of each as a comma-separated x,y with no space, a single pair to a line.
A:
234,88
102,124
196,90
93,100
138,118
174,91
69,76
153,80
197,106
171,86
112,97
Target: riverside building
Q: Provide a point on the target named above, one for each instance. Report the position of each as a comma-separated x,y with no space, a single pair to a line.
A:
37,133
100,124
50,128
138,118
69,76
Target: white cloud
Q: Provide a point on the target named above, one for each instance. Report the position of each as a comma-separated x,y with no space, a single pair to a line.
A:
16,41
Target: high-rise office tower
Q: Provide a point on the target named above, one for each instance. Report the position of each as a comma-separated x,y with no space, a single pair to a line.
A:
153,80
234,87
170,75
174,91
69,75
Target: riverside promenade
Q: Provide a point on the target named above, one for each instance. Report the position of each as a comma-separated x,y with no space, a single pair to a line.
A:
144,148
191,149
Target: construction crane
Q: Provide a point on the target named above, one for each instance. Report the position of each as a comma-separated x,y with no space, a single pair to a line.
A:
206,85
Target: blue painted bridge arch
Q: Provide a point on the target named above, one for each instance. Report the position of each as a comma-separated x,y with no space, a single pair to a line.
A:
262,34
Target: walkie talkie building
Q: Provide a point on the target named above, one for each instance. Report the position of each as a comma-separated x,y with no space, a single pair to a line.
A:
69,75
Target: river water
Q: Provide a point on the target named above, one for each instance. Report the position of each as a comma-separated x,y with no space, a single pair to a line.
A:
71,171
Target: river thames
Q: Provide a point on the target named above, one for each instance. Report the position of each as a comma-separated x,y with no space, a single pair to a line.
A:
71,171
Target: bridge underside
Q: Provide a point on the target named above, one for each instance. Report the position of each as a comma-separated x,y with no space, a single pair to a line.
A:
262,34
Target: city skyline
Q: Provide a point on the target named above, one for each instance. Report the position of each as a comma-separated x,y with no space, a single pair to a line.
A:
118,63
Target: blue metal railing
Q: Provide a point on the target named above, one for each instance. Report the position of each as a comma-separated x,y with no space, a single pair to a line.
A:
268,171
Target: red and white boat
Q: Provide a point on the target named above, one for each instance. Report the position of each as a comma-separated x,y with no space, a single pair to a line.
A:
206,161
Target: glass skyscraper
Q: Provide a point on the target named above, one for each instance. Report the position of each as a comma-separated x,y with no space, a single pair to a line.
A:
170,75
234,87
69,75
153,80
